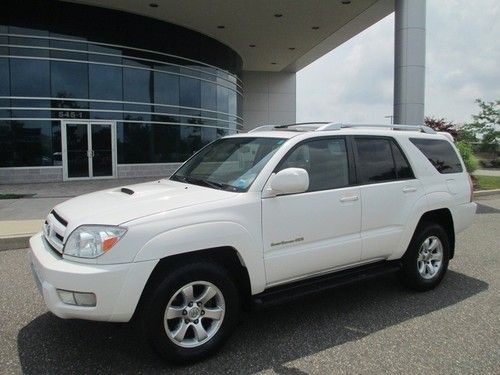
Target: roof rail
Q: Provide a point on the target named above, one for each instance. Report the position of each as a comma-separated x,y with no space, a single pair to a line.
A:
422,128
326,126
300,126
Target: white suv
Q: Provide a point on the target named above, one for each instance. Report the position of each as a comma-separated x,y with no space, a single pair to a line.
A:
253,219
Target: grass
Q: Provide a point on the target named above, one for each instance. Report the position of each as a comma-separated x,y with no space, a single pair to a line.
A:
488,182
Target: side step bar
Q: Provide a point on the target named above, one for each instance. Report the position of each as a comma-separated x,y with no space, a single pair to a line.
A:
282,293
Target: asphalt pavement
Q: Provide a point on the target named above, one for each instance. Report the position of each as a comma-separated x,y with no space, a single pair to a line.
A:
370,328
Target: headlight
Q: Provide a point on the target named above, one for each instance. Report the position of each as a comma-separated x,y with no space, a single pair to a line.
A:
91,241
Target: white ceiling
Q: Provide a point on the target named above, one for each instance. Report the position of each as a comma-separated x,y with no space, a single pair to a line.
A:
253,22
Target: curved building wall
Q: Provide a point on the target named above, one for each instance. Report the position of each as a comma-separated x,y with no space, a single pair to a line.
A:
167,89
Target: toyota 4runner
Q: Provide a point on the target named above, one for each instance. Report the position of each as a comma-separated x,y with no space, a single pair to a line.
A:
253,219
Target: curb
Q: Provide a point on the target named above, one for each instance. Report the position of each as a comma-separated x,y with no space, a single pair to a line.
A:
15,242
486,193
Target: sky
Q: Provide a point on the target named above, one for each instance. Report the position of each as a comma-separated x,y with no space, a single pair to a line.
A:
354,82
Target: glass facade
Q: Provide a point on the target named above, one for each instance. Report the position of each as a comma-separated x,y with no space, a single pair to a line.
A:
168,95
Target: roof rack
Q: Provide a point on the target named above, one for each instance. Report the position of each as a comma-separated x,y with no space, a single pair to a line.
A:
325,126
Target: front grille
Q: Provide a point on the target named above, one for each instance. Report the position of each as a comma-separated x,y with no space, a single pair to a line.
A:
59,218
54,230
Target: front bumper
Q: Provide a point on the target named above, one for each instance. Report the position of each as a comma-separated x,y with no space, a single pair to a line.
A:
117,287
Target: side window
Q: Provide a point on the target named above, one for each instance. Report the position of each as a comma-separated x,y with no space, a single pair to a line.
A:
440,153
374,160
403,169
325,160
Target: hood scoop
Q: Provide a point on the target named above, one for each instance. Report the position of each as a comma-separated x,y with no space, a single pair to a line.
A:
127,191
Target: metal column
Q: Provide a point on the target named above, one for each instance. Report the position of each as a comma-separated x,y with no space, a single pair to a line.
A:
409,62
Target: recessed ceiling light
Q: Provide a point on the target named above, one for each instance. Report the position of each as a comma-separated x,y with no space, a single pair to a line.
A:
251,45
278,15
153,5
221,26
291,48
315,27
273,63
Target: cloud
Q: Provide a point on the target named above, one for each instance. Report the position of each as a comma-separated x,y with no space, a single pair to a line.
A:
354,83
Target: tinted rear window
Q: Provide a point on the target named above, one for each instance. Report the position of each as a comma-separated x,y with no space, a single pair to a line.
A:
440,153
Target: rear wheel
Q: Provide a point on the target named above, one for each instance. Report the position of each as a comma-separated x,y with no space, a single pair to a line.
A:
192,312
426,260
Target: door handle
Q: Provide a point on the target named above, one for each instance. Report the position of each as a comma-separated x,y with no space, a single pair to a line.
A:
352,198
409,189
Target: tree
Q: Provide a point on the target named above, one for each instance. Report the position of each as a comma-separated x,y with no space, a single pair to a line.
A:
442,125
486,123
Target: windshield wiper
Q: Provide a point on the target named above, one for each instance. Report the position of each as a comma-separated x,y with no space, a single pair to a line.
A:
212,184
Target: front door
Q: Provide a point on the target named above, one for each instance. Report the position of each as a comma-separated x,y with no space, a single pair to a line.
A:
88,149
318,230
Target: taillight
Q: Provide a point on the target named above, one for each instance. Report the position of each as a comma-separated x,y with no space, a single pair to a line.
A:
471,185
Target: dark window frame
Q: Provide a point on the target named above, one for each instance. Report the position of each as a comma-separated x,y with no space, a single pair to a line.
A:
392,142
350,161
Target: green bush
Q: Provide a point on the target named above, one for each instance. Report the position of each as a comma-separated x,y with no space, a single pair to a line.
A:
496,163
470,160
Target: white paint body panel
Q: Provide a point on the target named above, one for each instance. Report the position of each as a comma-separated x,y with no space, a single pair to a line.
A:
277,238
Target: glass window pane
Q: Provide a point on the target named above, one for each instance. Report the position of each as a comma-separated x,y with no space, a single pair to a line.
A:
25,143
190,92
77,150
69,80
4,77
105,82
374,160
137,85
222,101
209,96
27,41
29,77
325,160
166,90
440,153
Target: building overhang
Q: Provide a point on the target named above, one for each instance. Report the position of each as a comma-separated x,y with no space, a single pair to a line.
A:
269,35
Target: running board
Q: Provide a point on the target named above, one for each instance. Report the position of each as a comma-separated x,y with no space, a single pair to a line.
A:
282,293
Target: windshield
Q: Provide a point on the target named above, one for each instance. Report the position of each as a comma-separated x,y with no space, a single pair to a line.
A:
229,164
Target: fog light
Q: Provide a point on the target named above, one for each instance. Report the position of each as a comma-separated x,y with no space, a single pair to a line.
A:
77,298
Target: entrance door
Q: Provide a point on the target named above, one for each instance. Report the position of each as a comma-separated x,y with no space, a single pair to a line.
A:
88,149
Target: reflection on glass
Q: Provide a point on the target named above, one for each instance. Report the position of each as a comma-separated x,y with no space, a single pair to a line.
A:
29,77
137,85
69,80
102,161
166,91
77,149
25,143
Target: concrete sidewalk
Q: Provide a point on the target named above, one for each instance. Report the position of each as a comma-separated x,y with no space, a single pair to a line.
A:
487,172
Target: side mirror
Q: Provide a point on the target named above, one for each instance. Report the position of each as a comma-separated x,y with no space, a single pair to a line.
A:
290,181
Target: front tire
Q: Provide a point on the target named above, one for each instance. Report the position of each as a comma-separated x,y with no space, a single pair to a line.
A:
192,312
426,260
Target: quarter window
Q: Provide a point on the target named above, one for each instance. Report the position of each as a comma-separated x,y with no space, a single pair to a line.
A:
440,153
325,160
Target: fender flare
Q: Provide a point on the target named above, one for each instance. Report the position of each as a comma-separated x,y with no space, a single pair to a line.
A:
201,236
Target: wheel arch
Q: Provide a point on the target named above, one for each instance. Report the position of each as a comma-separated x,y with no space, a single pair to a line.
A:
444,218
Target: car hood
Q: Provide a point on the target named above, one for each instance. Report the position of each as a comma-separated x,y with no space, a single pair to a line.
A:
119,205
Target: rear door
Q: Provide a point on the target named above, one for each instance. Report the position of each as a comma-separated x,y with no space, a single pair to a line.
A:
388,192
318,230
